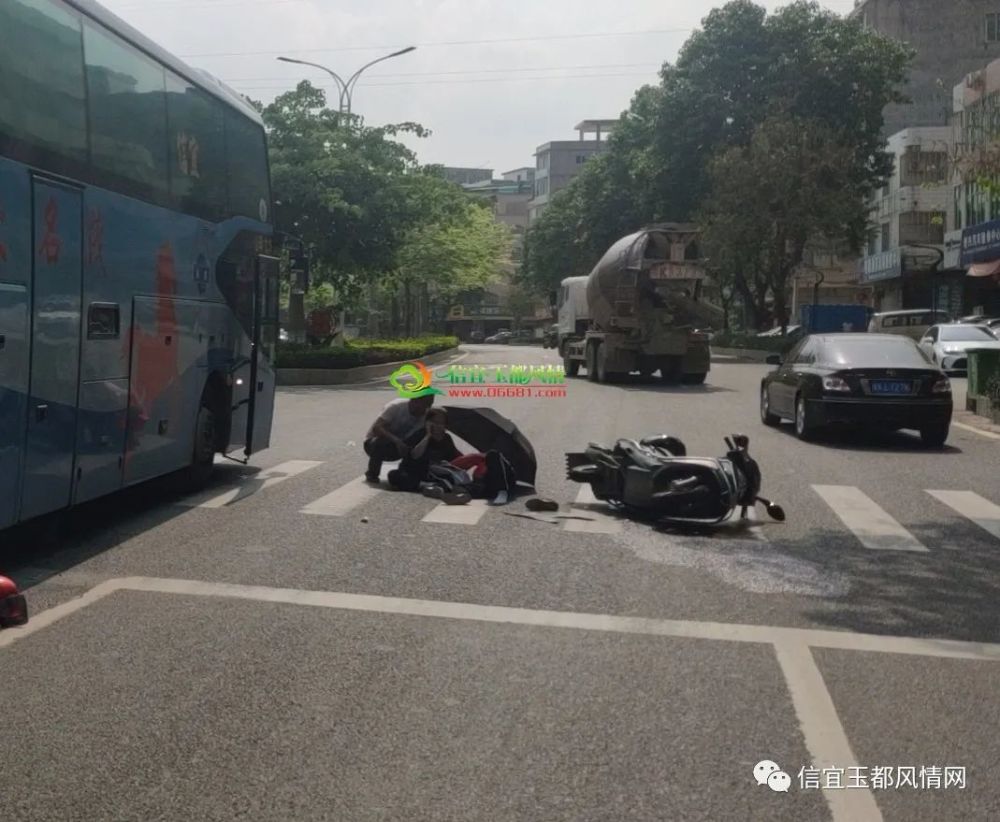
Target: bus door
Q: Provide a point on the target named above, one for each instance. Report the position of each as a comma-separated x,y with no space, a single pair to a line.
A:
57,275
13,391
260,408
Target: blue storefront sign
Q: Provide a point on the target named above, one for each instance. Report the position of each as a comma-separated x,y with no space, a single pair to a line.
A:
981,243
885,266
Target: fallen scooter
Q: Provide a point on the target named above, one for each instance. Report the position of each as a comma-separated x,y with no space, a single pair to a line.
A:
654,479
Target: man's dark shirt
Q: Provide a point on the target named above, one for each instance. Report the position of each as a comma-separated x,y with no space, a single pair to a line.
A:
442,450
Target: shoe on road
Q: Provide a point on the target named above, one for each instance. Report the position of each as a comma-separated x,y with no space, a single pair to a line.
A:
541,504
372,479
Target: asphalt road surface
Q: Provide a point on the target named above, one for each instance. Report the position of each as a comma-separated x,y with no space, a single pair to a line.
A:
293,645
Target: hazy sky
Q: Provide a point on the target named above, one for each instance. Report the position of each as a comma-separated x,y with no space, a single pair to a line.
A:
551,63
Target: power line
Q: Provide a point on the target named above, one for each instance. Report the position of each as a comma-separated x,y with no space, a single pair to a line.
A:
539,38
465,71
461,82
171,5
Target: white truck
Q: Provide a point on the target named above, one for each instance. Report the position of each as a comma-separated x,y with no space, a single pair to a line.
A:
640,310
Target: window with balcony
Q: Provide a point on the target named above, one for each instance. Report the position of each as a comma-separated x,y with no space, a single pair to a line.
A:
886,236
922,228
920,167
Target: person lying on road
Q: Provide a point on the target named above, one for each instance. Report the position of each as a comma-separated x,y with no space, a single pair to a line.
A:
386,440
493,477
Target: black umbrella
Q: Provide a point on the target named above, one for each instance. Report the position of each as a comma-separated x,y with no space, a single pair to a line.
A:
486,430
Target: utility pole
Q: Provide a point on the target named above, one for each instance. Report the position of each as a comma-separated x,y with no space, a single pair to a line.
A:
299,267
346,94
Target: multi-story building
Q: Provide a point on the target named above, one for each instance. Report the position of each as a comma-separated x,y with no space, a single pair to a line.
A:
525,174
950,38
906,264
466,176
975,241
559,161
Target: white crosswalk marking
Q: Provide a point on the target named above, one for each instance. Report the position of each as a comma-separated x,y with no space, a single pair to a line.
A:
588,505
344,500
875,528
267,478
468,514
974,507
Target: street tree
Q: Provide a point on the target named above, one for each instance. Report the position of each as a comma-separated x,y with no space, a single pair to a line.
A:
457,246
340,185
743,69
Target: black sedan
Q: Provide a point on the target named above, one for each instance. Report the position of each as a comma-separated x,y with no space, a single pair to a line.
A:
871,380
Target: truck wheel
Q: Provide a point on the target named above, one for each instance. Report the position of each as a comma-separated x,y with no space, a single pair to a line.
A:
592,362
694,379
671,372
570,365
603,375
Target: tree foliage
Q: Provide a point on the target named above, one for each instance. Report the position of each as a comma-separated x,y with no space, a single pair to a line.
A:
735,81
361,201
770,199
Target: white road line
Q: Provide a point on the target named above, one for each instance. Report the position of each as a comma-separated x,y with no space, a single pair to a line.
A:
875,528
824,734
602,523
344,500
253,483
972,429
723,632
972,506
468,514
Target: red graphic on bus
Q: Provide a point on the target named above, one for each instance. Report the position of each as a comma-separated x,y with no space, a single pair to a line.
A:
51,244
95,237
155,359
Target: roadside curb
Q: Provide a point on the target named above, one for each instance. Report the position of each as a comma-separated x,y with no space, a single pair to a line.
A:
740,355
350,376
970,420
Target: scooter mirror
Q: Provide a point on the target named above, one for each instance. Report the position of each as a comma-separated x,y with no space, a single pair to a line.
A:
775,512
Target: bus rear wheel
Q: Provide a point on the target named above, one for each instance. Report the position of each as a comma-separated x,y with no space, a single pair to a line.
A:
197,475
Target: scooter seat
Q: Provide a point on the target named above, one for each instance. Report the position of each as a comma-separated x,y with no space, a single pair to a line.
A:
637,455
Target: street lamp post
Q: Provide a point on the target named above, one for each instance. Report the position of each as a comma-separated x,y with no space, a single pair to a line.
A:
296,302
346,89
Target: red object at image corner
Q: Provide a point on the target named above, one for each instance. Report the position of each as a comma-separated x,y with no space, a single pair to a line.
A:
13,606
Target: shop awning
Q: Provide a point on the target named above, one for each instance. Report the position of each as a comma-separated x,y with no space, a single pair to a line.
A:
990,269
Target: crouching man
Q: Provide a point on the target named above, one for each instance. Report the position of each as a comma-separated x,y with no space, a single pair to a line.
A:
398,422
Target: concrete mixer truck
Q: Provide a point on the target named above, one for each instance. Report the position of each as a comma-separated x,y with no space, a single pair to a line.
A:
640,310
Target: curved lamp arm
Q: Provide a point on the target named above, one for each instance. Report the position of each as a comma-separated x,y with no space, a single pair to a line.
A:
341,85
354,77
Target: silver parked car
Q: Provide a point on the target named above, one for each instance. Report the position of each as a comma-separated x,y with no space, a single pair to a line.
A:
948,345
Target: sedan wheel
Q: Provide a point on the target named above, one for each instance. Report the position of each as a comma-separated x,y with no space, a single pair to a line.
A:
935,436
804,427
766,416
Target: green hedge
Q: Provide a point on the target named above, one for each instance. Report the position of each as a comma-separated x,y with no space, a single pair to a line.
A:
779,345
358,353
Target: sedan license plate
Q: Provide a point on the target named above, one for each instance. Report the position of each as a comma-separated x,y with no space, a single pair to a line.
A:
891,387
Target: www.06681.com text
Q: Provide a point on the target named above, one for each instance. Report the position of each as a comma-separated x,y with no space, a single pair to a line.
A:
501,391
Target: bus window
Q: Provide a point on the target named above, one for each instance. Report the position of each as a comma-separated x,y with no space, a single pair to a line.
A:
43,118
196,131
246,159
128,129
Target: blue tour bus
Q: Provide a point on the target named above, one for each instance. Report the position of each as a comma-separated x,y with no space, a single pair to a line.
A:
138,286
